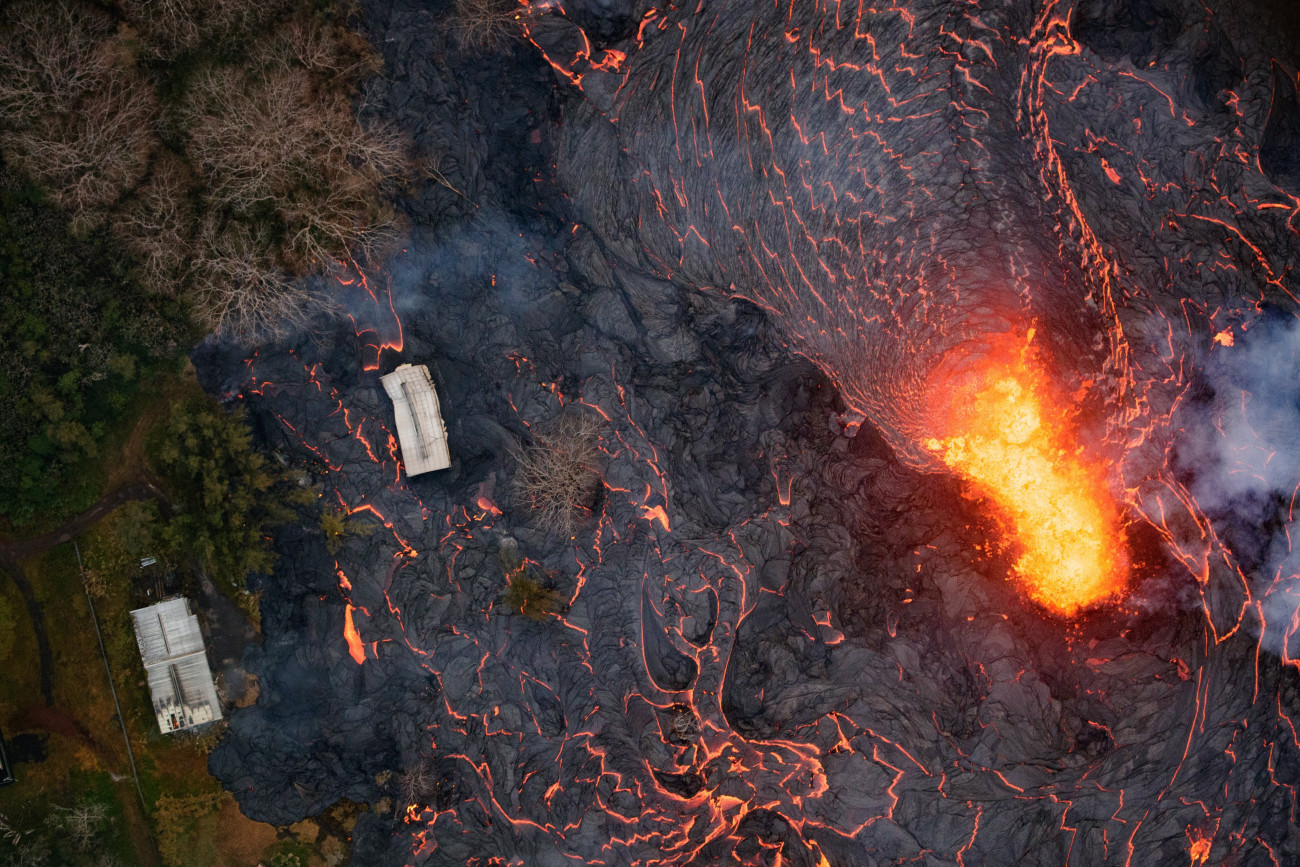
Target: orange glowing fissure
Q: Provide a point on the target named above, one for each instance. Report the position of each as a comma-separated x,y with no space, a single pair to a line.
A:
1000,425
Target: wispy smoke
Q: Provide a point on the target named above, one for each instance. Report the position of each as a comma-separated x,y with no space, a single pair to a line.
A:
491,247
1241,448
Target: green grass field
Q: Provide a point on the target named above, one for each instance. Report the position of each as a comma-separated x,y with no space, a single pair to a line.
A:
80,806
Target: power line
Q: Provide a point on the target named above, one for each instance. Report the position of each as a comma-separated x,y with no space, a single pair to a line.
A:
104,654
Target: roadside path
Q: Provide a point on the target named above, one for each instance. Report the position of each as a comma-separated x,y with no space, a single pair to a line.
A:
12,553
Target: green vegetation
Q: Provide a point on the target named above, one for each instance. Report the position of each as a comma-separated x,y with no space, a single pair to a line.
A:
289,853
225,495
177,820
531,598
337,525
85,781
528,589
80,833
167,168
83,787
79,342
194,159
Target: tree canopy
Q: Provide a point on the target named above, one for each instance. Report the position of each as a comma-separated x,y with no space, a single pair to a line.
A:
77,340
226,497
214,139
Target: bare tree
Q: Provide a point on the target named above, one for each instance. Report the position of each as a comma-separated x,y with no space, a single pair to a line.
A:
50,57
157,225
77,117
81,822
326,50
238,289
271,137
558,474
169,28
485,25
245,133
293,181
417,784
89,157
276,178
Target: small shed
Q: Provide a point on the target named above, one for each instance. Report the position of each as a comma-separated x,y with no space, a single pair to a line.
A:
171,646
420,429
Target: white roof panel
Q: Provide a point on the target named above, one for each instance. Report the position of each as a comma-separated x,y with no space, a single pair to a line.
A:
171,646
420,428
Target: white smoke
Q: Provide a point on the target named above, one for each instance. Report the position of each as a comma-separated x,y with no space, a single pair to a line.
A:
1241,447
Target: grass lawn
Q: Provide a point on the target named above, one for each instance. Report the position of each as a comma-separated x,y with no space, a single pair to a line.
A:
78,805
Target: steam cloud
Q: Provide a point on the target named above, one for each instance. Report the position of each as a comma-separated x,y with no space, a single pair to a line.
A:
1239,445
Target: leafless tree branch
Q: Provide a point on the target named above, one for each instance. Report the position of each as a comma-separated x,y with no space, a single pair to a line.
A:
240,292
50,56
157,225
558,474
74,116
485,25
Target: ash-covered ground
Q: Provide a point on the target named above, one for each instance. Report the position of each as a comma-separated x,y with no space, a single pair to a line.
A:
777,642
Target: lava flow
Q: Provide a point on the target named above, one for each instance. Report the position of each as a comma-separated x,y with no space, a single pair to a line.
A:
1003,429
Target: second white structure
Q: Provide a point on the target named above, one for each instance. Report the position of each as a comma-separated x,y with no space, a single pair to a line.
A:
420,429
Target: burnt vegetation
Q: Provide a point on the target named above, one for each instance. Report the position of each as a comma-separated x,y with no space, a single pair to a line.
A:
215,141
558,473
168,168
485,25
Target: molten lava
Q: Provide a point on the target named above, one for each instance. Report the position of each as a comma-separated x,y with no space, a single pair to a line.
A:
1001,427
1199,851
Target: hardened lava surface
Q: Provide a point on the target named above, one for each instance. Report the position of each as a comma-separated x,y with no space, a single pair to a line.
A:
723,233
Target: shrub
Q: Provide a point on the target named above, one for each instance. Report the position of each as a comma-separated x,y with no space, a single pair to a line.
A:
485,25
177,820
558,473
527,590
337,525
531,598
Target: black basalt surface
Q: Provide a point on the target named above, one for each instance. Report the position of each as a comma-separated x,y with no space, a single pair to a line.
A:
777,642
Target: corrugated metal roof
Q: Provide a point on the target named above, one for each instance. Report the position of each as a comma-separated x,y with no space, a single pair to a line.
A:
166,630
171,646
420,429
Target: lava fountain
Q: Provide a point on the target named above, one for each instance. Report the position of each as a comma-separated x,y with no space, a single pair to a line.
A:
1001,426
897,234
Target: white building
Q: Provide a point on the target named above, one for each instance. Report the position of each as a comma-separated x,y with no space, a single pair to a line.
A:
420,428
171,646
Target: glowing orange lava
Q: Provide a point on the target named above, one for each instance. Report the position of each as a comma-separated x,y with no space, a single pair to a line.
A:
1001,427
356,649
1199,851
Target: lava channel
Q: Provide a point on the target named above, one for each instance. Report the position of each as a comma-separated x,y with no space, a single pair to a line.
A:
1000,425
